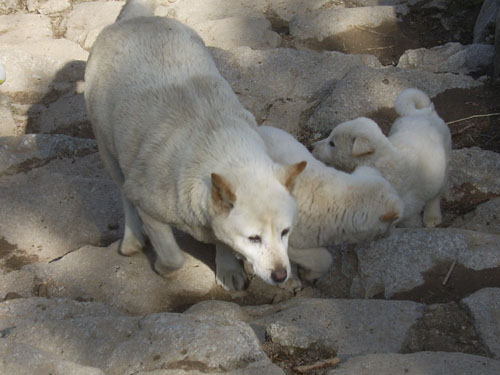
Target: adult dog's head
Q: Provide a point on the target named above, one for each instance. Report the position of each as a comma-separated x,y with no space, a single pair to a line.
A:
253,212
351,143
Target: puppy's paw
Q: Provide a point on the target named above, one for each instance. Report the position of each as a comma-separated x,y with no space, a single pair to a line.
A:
232,278
432,220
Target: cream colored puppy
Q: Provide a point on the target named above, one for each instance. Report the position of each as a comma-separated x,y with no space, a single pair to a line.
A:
414,157
184,151
334,207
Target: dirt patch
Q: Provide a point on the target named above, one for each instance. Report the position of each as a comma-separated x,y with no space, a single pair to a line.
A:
290,358
471,197
445,328
461,283
458,104
13,258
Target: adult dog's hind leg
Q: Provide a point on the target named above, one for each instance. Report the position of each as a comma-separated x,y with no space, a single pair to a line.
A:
170,257
133,238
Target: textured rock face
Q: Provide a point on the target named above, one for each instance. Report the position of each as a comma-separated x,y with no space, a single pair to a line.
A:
70,304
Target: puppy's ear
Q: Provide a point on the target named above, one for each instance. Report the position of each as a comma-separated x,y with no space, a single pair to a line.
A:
222,193
291,173
389,216
362,146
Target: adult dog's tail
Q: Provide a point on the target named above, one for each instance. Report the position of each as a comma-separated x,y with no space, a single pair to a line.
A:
413,101
137,8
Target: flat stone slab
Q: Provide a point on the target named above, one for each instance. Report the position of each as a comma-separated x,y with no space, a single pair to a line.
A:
333,21
281,86
365,90
473,168
58,205
348,327
423,363
484,306
397,263
484,218
110,341
449,58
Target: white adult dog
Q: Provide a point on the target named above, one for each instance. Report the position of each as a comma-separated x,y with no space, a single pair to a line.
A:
414,157
183,150
334,207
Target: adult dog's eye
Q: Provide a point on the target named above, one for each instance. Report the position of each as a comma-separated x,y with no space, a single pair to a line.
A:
331,143
285,232
255,239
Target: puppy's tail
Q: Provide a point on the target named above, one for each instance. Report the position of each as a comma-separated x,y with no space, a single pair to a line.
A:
413,101
137,8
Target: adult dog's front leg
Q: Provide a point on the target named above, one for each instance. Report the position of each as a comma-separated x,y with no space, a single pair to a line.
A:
170,257
314,261
229,273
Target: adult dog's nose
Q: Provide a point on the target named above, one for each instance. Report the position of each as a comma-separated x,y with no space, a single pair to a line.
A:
278,275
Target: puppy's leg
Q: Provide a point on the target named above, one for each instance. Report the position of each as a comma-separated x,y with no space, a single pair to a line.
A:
229,273
169,256
432,212
133,239
315,261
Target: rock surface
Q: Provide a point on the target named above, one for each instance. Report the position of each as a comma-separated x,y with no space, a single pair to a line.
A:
70,304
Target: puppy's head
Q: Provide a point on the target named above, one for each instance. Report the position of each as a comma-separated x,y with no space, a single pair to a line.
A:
253,212
350,144
379,208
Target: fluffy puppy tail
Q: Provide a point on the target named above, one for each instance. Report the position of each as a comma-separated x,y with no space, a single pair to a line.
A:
413,101
137,8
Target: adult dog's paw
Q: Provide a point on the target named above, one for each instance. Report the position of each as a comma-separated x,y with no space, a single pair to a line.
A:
232,279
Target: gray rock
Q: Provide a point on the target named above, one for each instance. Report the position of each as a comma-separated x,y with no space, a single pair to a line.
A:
8,126
279,85
255,368
193,12
348,327
20,27
485,22
365,90
472,169
34,78
397,263
10,6
484,218
48,6
92,273
330,22
423,363
484,306
449,58
237,31
496,57
87,19
67,115
57,205
22,359
110,341
16,153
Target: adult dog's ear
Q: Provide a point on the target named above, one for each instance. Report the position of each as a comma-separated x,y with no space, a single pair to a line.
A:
222,193
291,173
362,146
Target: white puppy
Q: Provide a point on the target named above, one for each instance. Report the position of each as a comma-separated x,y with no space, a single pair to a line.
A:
414,157
183,150
334,207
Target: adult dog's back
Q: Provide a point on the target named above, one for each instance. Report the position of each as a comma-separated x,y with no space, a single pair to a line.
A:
183,150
